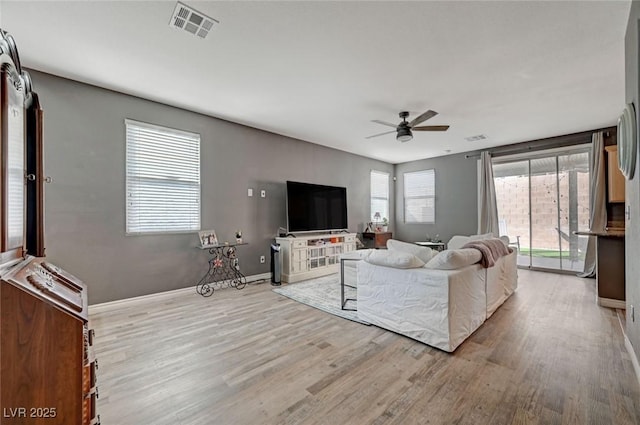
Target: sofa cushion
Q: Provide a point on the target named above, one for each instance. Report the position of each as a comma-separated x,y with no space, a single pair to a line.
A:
422,252
359,254
458,241
395,259
451,259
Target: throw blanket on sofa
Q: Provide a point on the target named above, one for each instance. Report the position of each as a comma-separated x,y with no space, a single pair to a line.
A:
491,250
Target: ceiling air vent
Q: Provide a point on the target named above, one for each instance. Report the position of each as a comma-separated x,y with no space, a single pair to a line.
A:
192,21
475,138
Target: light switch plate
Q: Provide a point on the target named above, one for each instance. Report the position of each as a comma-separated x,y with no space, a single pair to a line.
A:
249,192
263,193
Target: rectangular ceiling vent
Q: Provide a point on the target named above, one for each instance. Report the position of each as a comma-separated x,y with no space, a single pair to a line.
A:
188,19
475,138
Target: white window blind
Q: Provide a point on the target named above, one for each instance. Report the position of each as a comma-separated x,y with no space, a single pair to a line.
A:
379,194
163,179
420,196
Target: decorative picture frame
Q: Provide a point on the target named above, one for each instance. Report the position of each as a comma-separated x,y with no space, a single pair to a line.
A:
208,238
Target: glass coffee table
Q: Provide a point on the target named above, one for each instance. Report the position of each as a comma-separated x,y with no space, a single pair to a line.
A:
343,299
438,246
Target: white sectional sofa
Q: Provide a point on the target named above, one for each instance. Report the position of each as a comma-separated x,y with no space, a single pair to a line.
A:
439,303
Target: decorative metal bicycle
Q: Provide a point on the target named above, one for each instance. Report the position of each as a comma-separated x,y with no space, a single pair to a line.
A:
224,270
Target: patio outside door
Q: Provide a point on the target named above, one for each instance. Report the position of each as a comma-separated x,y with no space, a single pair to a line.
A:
542,199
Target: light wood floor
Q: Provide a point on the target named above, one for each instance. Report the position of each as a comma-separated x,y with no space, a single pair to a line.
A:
549,355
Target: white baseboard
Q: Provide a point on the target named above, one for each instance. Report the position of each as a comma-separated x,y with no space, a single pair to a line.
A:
257,277
611,303
634,358
101,307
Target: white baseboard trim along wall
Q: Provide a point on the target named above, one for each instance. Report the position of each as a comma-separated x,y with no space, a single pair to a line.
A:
99,308
634,358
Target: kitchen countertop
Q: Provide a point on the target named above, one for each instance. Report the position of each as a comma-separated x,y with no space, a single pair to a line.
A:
610,233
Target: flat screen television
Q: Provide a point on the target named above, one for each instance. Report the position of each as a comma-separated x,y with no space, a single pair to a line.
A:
315,208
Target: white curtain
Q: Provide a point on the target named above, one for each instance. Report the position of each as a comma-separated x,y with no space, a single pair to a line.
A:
487,206
597,201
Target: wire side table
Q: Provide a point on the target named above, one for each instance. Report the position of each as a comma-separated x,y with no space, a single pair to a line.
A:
224,270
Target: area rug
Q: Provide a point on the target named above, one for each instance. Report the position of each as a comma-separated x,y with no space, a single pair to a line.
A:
322,293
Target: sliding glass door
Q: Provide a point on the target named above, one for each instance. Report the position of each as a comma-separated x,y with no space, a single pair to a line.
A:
543,199
512,195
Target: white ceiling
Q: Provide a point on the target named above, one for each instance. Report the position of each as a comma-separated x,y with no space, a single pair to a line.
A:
321,71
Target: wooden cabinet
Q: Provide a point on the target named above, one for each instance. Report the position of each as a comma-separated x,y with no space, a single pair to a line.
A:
615,179
47,368
309,256
379,238
610,266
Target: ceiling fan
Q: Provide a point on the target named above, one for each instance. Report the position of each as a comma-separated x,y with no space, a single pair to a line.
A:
404,129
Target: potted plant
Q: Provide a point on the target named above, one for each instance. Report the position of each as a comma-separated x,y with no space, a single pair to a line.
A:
385,224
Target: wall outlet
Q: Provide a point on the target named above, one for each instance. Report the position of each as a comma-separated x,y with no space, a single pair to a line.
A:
263,193
262,259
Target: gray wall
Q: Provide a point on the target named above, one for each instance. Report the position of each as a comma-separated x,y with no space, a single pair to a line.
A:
456,181
84,136
632,226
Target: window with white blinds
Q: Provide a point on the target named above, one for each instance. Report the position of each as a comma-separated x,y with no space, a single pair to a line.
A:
163,179
379,194
420,197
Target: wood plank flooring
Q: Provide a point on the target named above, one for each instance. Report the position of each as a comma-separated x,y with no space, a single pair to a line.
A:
549,355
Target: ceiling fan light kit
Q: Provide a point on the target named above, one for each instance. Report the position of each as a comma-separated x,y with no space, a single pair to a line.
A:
404,134
403,130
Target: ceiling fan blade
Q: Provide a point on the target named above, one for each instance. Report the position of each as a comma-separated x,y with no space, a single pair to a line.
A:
420,118
381,134
385,123
431,128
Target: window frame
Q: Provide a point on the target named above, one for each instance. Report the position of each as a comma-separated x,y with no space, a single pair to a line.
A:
372,197
426,197
192,171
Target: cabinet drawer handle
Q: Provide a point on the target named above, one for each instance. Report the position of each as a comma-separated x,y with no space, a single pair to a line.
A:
92,390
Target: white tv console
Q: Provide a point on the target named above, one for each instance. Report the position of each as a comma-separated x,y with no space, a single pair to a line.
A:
311,255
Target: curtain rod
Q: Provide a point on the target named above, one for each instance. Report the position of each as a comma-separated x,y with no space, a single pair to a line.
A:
541,144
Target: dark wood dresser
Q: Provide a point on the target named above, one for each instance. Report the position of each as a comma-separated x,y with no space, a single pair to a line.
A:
47,367
379,239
